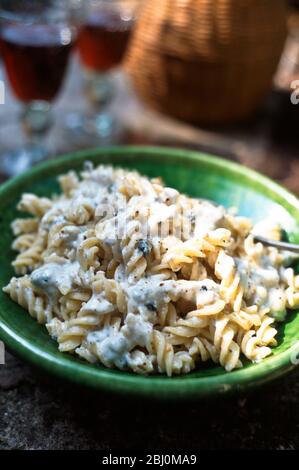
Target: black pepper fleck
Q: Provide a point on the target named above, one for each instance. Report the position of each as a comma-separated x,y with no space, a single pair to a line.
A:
144,246
151,306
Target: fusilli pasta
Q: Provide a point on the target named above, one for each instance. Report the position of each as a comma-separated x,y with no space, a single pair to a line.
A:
129,273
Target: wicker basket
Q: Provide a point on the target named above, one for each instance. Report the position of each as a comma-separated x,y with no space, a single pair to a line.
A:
206,61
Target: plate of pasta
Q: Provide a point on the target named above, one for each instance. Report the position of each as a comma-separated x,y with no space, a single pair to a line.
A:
135,270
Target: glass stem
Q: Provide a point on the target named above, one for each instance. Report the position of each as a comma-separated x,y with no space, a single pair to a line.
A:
36,119
98,89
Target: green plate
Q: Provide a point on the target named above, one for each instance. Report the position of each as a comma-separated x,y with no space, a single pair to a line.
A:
197,175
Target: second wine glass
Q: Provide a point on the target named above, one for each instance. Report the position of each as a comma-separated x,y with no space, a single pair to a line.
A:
102,43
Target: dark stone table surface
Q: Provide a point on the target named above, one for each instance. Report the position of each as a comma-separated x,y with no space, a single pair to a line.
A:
41,412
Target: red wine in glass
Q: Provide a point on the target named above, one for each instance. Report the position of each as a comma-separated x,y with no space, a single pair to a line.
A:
35,57
103,39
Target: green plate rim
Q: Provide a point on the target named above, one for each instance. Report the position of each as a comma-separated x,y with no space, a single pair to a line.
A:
173,388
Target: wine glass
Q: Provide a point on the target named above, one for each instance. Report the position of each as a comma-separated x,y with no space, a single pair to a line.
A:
102,43
36,39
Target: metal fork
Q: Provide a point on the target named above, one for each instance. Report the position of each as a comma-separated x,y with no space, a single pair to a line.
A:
279,245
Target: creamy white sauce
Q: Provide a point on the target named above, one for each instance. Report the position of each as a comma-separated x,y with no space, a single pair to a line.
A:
262,284
99,335
149,295
160,213
98,304
113,350
207,217
55,278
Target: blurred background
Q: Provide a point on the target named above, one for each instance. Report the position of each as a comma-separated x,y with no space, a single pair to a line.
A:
215,75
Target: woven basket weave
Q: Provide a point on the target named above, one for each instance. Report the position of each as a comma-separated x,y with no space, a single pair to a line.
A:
206,61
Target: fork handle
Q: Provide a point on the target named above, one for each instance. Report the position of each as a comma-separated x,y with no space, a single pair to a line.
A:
275,244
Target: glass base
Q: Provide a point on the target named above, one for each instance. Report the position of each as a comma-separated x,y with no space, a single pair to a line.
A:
94,130
16,154
17,161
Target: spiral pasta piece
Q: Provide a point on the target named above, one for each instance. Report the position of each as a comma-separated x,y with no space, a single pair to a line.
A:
68,182
34,205
31,254
24,226
20,290
80,214
133,253
164,353
89,252
201,349
229,350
